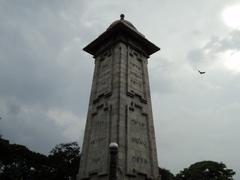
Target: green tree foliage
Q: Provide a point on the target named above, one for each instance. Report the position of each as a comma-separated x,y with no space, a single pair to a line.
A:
18,162
206,170
65,158
166,174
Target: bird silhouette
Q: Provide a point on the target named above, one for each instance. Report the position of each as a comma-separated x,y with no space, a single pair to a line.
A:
201,72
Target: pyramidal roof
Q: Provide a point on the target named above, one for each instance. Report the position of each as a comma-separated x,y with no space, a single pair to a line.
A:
121,26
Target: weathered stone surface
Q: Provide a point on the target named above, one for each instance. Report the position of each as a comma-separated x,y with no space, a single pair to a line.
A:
120,107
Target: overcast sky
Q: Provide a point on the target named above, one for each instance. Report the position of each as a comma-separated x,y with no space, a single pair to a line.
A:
45,76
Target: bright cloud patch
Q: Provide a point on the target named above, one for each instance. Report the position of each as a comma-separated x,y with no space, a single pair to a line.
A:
231,60
231,16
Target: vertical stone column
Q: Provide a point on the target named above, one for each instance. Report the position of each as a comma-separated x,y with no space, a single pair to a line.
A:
120,108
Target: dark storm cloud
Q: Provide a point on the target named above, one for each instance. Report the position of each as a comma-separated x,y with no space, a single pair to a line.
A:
33,38
40,69
30,128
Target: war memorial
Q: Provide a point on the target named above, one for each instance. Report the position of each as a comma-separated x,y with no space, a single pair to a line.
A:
119,141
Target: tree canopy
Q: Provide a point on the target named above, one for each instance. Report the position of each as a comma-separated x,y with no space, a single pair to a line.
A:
166,174
206,170
65,158
18,162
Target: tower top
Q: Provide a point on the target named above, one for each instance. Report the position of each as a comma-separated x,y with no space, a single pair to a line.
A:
125,22
119,28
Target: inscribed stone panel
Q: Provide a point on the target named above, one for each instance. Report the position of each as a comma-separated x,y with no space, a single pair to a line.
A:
99,140
135,75
104,76
138,143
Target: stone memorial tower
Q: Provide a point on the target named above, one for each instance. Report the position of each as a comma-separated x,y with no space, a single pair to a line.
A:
120,107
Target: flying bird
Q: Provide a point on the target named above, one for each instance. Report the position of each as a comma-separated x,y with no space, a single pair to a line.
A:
201,72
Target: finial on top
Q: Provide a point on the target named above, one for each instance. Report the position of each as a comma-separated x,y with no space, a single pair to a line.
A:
122,16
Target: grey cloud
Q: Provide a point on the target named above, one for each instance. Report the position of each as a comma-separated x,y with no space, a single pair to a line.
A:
42,66
162,75
196,57
13,109
200,116
206,55
230,42
32,128
30,50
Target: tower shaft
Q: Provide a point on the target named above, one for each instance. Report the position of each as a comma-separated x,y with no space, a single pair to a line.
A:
120,107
